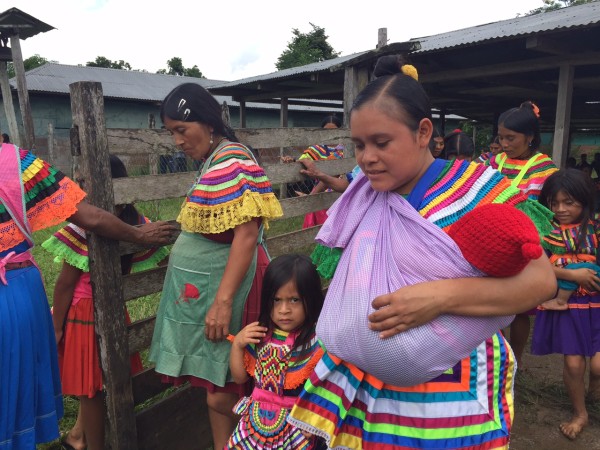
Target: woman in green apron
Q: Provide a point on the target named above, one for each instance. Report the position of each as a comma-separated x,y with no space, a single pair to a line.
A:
211,274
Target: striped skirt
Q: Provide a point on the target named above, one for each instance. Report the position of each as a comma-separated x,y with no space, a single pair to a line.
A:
468,407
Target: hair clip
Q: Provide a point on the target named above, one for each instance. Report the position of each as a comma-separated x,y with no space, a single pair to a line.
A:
536,110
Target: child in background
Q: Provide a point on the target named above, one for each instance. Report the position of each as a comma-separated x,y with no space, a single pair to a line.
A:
73,318
279,352
572,328
495,148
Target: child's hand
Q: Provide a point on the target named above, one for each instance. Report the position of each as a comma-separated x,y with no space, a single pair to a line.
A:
587,279
251,334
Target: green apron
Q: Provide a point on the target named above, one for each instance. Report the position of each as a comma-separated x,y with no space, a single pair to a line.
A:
179,346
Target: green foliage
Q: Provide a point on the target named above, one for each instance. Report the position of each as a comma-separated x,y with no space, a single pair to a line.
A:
553,5
30,63
102,61
176,67
306,48
483,135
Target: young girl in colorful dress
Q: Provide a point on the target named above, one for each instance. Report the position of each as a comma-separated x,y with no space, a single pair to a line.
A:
522,162
279,352
73,318
572,329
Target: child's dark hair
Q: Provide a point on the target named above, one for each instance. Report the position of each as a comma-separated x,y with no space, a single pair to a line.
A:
409,102
525,120
190,102
129,214
576,185
331,118
458,143
304,273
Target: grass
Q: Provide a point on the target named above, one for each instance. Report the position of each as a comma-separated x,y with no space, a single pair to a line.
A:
139,308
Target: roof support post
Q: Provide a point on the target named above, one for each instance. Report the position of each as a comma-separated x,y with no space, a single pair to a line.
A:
9,109
28,141
562,123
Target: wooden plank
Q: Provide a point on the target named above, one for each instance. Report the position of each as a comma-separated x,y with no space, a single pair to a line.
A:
146,385
156,187
87,106
125,141
151,281
143,283
291,242
299,206
140,334
180,421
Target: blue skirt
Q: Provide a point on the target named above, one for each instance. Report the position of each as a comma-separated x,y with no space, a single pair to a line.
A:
30,394
575,331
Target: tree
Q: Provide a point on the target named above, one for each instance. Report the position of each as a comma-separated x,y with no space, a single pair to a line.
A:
176,67
553,5
30,63
306,48
102,61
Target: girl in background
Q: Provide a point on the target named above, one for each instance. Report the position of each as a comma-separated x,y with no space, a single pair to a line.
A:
527,168
572,328
279,352
73,319
436,144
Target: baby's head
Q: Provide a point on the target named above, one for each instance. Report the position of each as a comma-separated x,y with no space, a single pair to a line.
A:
497,239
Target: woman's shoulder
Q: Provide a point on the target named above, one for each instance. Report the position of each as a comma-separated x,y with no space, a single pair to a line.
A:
232,151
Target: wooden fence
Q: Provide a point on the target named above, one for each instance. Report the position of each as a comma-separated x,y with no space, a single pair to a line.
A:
179,419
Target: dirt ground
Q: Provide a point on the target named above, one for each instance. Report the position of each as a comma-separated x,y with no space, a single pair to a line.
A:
541,403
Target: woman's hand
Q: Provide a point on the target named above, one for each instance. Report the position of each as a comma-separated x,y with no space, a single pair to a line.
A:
310,169
587,279
251,334
404,309
157,233
217,320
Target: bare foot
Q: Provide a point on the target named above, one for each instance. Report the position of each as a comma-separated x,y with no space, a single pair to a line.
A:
574,427
555,305
71,442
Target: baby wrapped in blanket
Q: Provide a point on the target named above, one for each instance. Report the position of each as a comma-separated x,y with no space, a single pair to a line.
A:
390,245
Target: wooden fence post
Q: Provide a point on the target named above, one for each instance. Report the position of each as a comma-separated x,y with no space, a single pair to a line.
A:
87,106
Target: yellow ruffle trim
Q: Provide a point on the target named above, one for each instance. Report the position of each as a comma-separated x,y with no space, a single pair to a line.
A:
196,218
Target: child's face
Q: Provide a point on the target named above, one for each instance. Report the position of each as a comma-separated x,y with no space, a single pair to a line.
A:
439,146
391,155
288,308
566,209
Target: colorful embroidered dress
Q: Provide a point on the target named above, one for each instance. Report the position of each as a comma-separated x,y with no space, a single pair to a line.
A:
470,405
279,373
231,189
528,175
33,195
78,355
575,331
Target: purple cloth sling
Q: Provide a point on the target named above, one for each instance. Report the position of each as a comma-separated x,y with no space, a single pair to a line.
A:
388,245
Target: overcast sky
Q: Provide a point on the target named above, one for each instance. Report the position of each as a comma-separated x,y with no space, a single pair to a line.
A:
234,39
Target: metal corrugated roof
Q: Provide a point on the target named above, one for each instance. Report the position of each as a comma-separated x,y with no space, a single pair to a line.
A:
116,83
130,84
570,17
14,20
308,68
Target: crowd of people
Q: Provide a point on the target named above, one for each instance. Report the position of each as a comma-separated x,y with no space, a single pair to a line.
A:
417,348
